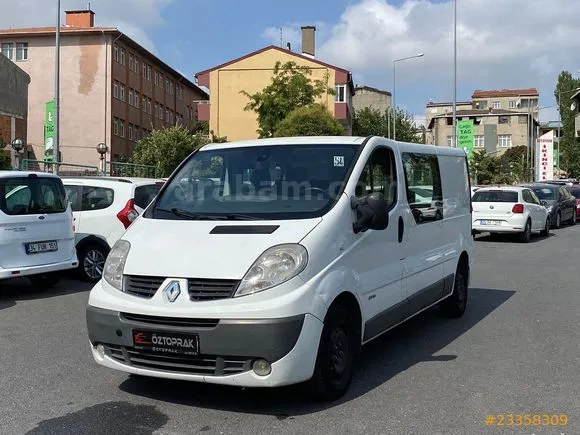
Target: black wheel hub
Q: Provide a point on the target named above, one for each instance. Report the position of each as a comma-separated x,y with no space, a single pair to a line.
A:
338,351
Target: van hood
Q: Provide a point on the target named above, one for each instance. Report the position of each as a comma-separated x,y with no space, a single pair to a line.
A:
205,249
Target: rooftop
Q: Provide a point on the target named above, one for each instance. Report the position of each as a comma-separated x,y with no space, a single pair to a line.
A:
529,92
370,88
450,103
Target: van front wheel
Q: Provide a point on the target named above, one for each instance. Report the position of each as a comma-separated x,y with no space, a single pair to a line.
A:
336,355
455,305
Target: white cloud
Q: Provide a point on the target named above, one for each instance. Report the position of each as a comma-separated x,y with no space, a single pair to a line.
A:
133,17
501,44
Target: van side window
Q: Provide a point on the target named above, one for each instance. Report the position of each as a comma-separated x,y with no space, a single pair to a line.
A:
74,196
379,175
423,185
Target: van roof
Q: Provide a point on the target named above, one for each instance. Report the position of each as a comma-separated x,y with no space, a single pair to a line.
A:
10,174
329,140
112,179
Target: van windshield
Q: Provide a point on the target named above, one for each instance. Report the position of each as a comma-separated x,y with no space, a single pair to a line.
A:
32,195
258,182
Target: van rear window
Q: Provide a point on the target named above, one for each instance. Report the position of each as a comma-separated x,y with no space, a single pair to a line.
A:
495,196
32,195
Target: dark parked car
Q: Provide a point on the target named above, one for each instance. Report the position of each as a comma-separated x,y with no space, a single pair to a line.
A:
575,191
559,202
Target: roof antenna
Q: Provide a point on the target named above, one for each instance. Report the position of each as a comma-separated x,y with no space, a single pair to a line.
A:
89,6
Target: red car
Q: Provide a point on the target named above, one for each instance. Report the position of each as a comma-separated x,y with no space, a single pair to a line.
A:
575,191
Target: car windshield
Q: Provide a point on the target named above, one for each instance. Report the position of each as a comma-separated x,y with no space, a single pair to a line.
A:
545,193
258,182
32,195
495,196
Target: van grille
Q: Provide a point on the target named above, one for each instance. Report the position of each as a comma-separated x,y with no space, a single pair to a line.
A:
142,286
211,289
199,289
181,322
207,365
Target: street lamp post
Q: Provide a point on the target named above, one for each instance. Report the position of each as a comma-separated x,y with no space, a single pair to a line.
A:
455,73
102,150
17,146
394,106
57,90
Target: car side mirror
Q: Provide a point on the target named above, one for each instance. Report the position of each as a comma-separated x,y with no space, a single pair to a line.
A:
371,212
544,203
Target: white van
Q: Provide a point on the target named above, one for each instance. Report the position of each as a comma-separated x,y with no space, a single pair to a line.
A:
304,250
36,228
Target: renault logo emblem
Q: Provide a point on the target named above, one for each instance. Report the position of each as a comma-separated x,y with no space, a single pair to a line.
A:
172,291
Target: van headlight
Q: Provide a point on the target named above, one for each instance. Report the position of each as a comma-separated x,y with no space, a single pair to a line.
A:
115,264
276,265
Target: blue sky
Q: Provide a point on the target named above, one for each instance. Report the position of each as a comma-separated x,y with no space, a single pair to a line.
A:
512,44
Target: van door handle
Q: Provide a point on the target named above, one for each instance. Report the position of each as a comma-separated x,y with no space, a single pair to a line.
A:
401,229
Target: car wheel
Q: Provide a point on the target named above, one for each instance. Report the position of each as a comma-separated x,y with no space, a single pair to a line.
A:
336,355
455,305
527,234
546,231
92,262
45,280
558,220
572,220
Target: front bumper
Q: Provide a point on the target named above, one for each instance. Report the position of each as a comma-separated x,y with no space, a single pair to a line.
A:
71,263
227,347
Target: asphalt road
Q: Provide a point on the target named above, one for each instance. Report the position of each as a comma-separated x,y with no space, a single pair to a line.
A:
516,350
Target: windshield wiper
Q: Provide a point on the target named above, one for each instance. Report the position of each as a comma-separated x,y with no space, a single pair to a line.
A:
199,216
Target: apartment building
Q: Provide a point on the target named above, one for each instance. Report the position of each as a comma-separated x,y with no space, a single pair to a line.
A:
575,105
13,106
112,89
502,119
253,72
373,98
434,109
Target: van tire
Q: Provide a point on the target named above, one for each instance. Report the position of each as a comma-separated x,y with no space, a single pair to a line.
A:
454,306
45,280
335,360
91,258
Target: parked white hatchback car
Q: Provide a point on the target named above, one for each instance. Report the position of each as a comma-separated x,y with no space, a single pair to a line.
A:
305,249
509,209
36,228
103,208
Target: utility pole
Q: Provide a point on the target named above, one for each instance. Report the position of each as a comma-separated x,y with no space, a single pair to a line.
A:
455,73
55,147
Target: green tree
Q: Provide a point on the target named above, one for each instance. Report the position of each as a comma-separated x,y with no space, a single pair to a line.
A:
367,122
314,120
5,161
513,162
569,145
290,88
484,168
167,148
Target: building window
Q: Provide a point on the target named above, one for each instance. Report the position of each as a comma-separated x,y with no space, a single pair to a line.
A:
156,78
116,89
21,51
130,131
121,92
166,115
136,65
149,72
131,97
340,96
504,140
449,141
478,141
121,128
167,84
144,68
8,50
144,104
496,104
512,104
161,81
122,56
115,126
137,100
131,62
180,91
523,119
503,120
149,106
171,88
116,53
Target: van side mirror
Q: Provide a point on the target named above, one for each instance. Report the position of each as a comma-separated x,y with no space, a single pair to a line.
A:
371,212
544,203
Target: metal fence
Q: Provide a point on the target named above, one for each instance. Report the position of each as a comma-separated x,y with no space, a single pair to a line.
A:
119,169
64,169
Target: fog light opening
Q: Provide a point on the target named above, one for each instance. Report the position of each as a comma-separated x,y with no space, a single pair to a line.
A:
261,367
100,351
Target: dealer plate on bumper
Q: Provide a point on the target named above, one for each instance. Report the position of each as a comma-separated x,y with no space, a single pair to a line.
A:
166,342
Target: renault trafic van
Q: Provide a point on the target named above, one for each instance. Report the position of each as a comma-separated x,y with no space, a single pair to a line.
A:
271,262
36,228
